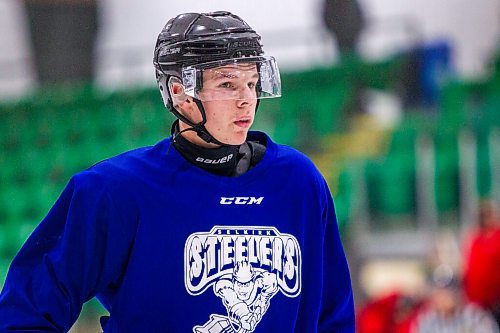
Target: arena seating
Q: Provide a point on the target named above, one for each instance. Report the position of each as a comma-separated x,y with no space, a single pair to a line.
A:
49,136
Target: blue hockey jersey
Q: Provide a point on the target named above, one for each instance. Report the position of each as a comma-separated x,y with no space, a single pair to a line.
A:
168,247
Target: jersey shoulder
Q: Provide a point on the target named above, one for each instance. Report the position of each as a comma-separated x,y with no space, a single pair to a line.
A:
122,168
295,159
285,158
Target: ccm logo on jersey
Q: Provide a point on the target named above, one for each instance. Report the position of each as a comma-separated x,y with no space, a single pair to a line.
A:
241,200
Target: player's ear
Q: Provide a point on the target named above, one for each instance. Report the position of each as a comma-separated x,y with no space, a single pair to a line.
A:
176,89
180,100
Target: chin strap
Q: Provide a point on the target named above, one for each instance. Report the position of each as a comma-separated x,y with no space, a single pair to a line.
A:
225,160
199,128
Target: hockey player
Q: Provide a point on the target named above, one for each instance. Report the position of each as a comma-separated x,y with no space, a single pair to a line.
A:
155,233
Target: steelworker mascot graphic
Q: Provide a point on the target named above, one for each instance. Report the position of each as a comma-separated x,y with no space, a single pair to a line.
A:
245,267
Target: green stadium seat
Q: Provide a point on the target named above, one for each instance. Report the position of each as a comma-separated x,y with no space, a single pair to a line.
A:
391,186
446,181
344,198
13,201
483,166
446,170
4,238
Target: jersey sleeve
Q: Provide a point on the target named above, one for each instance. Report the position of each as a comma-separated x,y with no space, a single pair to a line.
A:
337,310
78,250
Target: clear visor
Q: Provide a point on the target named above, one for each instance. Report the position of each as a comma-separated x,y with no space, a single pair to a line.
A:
233,79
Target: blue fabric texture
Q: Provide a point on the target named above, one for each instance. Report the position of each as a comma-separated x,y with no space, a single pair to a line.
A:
168,247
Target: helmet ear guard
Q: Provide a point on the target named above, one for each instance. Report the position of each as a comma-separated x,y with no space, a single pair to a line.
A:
162,85
169,97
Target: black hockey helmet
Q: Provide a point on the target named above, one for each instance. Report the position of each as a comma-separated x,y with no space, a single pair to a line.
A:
192,42
193,38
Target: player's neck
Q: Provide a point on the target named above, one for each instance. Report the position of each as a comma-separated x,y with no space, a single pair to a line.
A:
217,160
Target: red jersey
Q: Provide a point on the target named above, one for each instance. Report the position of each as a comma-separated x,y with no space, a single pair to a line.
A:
482,268
393,313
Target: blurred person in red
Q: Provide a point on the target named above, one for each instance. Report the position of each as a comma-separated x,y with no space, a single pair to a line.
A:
448,311
392,313
482,261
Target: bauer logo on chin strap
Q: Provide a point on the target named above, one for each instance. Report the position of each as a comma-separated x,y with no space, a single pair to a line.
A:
222,160
246,267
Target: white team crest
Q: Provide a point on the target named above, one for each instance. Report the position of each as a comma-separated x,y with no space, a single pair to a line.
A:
246,267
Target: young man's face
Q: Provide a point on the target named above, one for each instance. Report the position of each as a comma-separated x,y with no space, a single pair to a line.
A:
230,99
